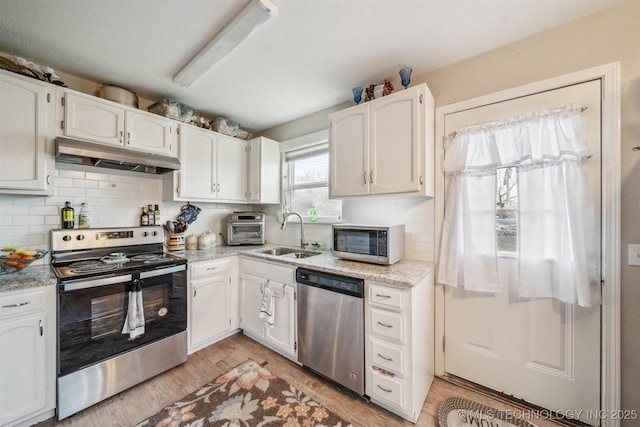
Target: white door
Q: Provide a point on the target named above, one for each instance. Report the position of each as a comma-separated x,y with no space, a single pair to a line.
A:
147,132
197,178
209,308
231,169
395,138
283,332
250,302
540,350
93,120
349,146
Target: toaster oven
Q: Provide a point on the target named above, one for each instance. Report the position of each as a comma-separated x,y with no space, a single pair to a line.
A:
245,228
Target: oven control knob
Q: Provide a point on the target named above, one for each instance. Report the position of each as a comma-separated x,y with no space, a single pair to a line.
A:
145,233
154,233
66,238
80,237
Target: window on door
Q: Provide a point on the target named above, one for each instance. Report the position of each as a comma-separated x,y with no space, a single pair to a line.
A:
306,177
507,210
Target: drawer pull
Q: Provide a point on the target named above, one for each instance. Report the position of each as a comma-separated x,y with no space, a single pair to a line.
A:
385,325
211,268
386,390
388,359
20,304
383,296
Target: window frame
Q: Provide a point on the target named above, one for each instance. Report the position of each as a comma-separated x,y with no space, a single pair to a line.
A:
311,143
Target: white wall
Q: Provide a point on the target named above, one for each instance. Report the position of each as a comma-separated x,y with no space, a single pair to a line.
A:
115,199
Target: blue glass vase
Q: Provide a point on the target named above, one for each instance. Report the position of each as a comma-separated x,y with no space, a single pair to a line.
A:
357,94
405,76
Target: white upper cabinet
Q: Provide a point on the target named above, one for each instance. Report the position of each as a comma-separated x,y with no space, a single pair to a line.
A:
384,146
89,118
264,171
213,166
149,133
26,135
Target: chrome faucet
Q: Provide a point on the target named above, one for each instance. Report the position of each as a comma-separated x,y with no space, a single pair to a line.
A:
303,244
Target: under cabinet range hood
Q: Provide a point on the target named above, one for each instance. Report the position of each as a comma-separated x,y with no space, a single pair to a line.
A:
91,154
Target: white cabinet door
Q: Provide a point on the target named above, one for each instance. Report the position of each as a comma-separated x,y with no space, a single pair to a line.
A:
349,148
394,165
251,299
210,315
264,171
282,335
22,367
148,132
26,110
89,118
384,146
197,173
231,169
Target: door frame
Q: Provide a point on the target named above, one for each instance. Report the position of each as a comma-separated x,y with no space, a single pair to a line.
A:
609,74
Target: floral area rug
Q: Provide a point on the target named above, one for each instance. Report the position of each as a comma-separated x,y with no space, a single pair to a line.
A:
249,395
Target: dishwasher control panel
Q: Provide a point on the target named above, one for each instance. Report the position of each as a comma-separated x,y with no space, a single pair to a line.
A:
332,282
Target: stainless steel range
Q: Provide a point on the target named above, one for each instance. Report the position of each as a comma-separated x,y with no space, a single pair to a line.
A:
122,311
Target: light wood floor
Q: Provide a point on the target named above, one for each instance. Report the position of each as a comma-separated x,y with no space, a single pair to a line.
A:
138,403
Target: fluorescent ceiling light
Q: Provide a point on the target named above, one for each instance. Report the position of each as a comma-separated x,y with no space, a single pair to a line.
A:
254,14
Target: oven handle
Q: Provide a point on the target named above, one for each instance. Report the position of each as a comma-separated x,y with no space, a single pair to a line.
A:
162,271
74,285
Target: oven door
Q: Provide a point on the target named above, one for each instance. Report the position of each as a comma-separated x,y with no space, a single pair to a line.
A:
245,233
92,312
356,241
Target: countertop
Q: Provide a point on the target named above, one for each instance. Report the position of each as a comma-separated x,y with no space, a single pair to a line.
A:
405,273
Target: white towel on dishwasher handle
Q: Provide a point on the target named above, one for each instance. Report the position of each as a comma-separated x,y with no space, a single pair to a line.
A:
267,308
134,322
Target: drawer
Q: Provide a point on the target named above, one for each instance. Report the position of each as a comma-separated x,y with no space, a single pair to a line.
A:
13,304
387,297
387,389
387,356
271,270
207,268
387,324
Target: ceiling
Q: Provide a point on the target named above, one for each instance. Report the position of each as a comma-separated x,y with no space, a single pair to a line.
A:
302,61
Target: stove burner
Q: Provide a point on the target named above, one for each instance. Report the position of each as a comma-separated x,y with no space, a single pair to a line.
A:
85,266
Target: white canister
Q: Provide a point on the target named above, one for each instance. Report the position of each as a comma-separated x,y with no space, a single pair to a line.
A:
204,241
192,242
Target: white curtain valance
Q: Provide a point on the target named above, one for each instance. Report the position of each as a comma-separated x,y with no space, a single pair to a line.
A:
531,140
557,244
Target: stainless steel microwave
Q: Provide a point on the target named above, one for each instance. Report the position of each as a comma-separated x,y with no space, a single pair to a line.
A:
369,243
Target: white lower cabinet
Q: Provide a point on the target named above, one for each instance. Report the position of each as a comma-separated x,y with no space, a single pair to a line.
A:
27,355
255,277
213,301
399,353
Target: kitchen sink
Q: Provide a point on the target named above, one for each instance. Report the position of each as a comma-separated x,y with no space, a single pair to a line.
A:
289,252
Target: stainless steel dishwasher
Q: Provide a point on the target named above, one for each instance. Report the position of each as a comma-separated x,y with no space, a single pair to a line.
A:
331,326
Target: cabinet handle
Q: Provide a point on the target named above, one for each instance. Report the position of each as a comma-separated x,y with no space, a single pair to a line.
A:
121,135
383,296
421,180
386,390
19,304
128,138
218,188
41,329
371,177
211,268
194,293
365,177
385,325
388,359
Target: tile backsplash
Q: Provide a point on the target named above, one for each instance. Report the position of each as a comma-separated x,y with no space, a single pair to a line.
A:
115,198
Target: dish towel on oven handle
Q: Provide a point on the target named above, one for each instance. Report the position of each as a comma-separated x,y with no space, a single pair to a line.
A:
134,322
267,308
